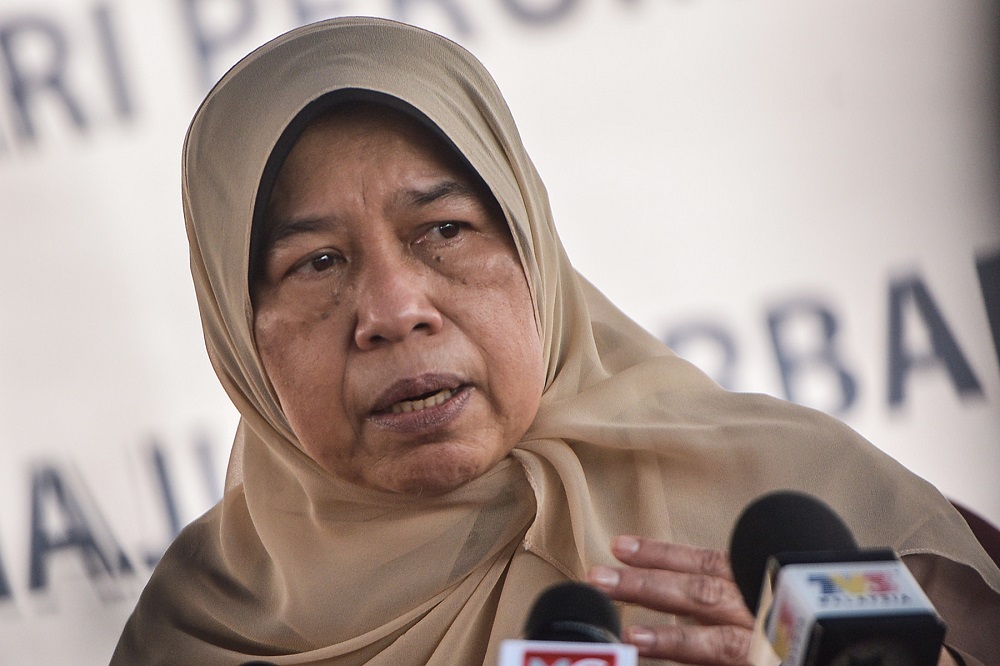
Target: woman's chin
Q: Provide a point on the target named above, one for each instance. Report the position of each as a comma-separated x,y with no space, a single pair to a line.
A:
431,470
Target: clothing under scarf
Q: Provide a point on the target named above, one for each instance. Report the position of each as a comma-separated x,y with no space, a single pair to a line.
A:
295,566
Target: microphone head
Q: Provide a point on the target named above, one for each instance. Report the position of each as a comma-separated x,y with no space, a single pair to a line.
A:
573,612
782,522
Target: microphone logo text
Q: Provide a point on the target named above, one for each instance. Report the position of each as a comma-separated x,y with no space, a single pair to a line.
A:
858,589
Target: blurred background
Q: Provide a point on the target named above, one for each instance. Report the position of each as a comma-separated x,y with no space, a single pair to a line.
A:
802,198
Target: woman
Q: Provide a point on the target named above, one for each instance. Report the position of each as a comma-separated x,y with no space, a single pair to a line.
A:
440,417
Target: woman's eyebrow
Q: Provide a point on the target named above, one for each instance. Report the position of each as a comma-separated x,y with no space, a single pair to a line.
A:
436,192
282,228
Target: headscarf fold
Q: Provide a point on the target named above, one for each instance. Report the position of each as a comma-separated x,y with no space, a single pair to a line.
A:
295,566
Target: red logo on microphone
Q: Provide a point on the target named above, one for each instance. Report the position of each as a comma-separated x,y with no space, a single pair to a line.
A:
559,653
551,658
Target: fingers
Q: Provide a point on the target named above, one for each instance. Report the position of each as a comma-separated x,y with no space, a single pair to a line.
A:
653,554
682,580
695,583
691,644
705,599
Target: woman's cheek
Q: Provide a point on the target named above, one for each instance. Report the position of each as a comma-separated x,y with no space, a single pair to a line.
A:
292,339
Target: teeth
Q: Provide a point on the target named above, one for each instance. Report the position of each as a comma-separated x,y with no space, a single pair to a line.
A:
404,406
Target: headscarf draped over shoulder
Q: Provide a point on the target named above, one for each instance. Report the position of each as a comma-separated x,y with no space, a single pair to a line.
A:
296,567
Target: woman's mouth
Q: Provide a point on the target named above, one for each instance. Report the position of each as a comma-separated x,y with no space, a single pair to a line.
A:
420,404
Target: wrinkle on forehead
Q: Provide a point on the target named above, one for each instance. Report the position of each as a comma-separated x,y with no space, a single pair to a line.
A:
365,118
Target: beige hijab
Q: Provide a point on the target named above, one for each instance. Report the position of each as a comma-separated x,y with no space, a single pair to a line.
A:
296,567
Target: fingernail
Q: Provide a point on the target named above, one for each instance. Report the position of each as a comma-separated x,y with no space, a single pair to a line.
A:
640,636
605,576
625,545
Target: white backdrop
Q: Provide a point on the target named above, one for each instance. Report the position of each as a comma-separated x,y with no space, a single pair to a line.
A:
801,197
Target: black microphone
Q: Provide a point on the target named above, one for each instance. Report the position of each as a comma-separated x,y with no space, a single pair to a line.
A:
822,601
570,623
573,612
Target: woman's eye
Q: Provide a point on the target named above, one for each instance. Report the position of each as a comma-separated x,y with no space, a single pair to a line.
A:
448,230
318,263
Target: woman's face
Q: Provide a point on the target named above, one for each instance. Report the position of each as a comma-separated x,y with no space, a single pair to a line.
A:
392,314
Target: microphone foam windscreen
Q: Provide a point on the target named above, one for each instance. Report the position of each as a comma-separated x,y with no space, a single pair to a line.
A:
782,522
573,612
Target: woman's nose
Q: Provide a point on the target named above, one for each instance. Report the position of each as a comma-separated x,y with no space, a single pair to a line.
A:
393,302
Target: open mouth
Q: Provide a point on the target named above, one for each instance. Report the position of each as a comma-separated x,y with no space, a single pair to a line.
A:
421,403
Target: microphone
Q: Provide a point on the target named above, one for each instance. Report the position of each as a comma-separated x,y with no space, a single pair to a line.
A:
820,599
571,624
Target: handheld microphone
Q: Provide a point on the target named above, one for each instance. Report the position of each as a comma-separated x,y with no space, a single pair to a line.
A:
571,624
822,601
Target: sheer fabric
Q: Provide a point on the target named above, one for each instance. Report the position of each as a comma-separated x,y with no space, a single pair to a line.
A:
297,567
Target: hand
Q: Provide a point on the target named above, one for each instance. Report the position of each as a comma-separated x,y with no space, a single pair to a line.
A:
692,582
